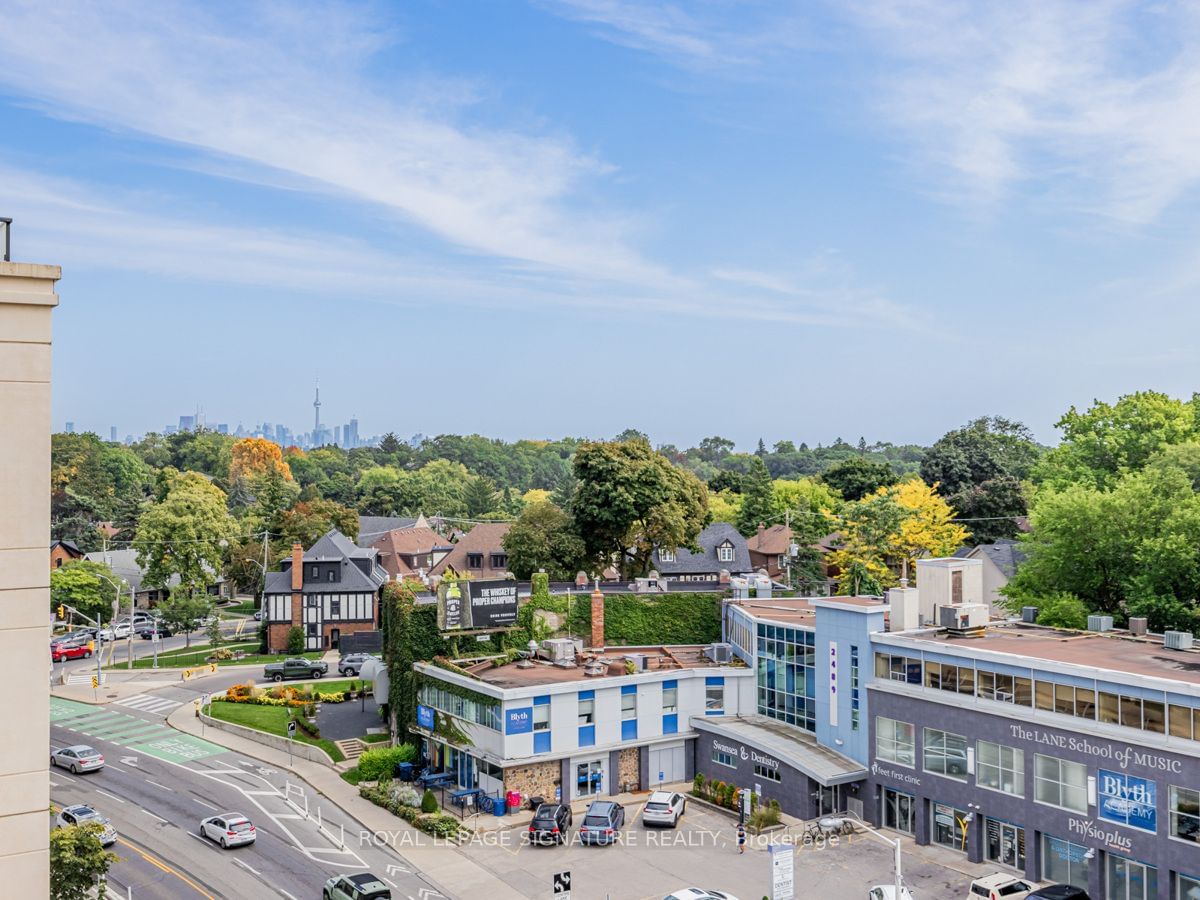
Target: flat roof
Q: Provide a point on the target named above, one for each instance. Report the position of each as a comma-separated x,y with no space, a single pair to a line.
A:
802,610
796,748
541,672
1112,651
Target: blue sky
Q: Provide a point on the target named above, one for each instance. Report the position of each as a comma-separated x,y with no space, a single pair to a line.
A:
797,221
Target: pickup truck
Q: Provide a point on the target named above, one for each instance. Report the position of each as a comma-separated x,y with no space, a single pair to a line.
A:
295,668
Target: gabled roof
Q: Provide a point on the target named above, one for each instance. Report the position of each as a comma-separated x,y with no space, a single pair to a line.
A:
1005,554
69,546
771,541
371,528
486,538
716,534
124,565
333,546
399,544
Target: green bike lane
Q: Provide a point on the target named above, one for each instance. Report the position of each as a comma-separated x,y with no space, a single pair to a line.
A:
125,730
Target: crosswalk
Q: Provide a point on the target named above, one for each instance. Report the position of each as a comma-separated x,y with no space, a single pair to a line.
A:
140,735
148,703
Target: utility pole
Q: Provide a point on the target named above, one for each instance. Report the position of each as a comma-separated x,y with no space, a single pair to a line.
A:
129,637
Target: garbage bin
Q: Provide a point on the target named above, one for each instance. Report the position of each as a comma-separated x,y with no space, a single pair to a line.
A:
404,771
499,806
535,802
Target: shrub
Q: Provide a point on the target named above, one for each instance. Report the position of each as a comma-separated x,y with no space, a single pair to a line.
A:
404,794
309,728
698,784
375,765
336,697
764,817
222,653
429,802
295,640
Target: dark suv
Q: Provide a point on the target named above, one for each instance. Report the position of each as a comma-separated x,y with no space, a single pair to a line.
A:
1059,892
602,823
550,824
351,664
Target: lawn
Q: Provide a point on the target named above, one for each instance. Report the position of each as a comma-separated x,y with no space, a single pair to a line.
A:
188,658
271,719
246,607
326,686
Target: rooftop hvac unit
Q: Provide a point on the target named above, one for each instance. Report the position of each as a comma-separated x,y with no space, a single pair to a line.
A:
1139,625
1029,614
967,617
559,649
719,653
638,659
1100,623
1177,640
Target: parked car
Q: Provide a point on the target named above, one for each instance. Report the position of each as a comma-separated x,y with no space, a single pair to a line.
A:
146,631
550,824
258,615
60,652
228,829
78,636
85,815
121,630
79,758
695,893
888,892
999,886
664,808
603,821
351,664
363,886
295,668
1059,892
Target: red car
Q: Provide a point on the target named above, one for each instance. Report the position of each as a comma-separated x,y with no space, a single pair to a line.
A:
80,651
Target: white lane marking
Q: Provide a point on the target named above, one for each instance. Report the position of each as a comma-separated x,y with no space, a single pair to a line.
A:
157,785
153,816
385,878
207,843
115,768
202,803
148,703
107,794
248,868
64,777
285,893
55,784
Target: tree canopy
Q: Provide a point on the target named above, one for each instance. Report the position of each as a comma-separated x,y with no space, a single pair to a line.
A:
185,534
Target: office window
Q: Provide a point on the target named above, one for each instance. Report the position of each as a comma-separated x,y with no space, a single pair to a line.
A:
1185,722
895,741
786,675
1057,782
945,754
587,711
541,717
898,668
1184,810
724,759
1064,862
761,771
628,706
1000,768
670,699
854,689
714,696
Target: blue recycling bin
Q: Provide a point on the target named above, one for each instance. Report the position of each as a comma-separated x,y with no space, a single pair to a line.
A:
404,771
499,805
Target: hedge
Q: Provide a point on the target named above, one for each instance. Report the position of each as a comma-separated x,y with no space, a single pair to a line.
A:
645,619
375,765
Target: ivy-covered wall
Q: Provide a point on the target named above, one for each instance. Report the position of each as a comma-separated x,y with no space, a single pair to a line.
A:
632,619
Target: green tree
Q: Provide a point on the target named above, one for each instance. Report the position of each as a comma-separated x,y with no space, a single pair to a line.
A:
181,611
857,477
185,534
1061,610
479,497
87,586
295,640
758,499
274,494
714,449
77,862
443,487
543,537
388,491
308,520
629,500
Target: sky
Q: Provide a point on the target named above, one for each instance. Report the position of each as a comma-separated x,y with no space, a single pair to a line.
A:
801,221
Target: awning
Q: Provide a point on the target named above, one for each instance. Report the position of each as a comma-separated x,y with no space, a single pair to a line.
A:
788,744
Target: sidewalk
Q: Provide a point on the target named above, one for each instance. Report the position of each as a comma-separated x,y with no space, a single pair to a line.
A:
453,872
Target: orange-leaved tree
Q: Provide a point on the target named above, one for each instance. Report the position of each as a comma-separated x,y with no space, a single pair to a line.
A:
257,456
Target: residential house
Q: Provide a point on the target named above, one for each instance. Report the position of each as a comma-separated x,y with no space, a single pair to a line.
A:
769,548
722,550
479,553
1000,563
124,565
330,590
411,552
372,528
63,552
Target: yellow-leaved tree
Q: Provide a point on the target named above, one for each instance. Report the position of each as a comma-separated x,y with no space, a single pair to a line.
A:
253,456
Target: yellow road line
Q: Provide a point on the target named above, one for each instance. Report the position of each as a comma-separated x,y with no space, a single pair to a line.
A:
159,864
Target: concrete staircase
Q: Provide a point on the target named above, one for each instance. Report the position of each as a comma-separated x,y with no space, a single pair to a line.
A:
352,748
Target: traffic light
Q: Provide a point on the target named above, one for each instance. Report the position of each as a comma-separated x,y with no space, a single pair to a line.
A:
61,612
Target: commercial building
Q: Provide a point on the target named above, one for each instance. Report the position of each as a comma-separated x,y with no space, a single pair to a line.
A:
27,301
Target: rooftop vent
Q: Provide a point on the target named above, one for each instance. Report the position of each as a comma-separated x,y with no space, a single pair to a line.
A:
1139,625
1029,614
595,667
1100,623
722,654
1177,640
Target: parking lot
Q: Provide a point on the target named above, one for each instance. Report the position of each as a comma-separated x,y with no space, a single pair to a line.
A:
702,852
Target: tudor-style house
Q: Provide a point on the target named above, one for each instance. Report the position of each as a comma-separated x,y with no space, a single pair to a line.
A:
722,551
330,591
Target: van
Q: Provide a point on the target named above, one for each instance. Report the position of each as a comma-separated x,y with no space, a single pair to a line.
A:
999,886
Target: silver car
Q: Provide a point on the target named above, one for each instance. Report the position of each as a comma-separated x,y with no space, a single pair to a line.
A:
79,758
664,808
85,815
228,829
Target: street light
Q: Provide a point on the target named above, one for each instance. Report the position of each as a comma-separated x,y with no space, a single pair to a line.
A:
893,842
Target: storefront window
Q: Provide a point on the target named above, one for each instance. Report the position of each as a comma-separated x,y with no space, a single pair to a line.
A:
949,827
1000,768
1057,782
898,811
1188,888
1004,843
1185,814
945,754
1131,880
589,778
895,741
1064,862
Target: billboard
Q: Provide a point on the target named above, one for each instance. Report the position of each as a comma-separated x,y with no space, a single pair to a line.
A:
1127,800
425,717
477,605
518,721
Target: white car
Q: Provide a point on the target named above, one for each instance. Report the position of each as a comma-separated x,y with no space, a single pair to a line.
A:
79,758
888,892
999,886
121,630
228,829
695,893
664,808
85,815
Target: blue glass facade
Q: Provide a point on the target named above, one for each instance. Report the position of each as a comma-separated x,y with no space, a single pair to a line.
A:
787,682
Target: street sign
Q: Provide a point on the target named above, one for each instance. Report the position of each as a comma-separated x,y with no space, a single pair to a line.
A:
291,728
562,886
95,682
783,885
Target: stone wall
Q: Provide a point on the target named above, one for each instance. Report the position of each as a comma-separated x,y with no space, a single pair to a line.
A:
629,768
535,780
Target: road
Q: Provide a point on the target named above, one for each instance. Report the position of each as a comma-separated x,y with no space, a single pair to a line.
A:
158,784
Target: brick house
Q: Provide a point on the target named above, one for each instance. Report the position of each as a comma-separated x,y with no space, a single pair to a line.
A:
411,552
63,552
769,548
331,590
480,553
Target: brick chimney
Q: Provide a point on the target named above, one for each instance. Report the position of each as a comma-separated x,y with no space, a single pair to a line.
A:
297,582
597,618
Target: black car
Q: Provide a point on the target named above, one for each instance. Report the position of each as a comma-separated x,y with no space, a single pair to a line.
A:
602,823
550,824
1059,892
146,631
